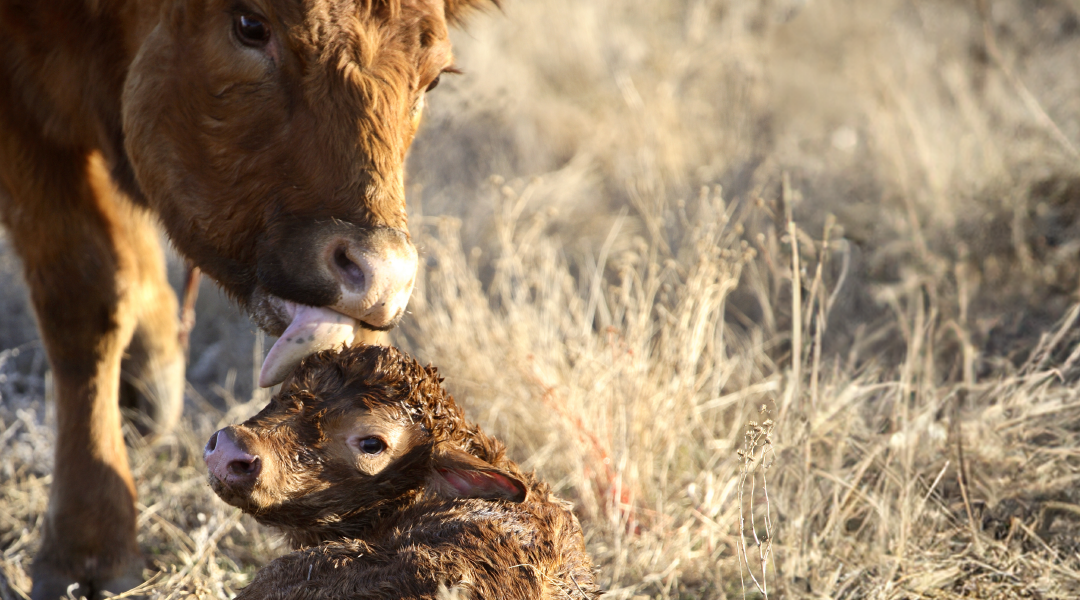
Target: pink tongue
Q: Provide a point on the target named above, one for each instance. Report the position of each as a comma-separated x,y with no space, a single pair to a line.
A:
312,329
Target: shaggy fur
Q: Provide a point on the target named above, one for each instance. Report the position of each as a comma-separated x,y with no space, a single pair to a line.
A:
440,506
115,114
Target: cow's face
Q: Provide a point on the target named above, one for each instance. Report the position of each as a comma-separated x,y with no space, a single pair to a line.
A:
270,135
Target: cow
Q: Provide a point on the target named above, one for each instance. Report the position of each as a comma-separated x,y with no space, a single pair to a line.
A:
267,137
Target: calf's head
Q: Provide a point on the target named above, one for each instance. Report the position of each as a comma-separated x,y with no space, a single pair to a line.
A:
351,436
270,136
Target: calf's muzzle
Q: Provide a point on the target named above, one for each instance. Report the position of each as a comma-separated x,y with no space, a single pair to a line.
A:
228,462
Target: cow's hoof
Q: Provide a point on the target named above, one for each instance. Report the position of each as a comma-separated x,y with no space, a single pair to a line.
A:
152,391
50,587
119,585
51,584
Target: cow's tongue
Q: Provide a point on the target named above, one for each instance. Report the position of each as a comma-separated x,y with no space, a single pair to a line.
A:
311,330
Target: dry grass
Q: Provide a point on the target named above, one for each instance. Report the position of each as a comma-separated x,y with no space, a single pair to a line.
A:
782,294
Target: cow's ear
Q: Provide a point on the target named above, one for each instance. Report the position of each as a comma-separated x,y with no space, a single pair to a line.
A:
458,474
458,10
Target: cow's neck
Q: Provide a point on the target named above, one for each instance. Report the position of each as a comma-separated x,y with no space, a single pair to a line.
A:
75,55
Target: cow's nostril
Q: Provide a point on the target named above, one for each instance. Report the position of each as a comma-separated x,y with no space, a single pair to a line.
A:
211,444
245,468
350,271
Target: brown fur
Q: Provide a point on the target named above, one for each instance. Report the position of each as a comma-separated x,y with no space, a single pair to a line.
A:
395,528
116,113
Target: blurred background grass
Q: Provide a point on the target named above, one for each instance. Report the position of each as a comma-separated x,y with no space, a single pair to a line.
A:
782,294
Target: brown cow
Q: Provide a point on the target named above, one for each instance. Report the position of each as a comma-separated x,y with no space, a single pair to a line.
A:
268,136
369,467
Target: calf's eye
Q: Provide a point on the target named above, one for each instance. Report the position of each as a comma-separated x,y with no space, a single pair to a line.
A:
371,445
434,83
251,31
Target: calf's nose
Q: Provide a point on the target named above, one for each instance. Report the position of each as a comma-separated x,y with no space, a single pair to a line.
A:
227,462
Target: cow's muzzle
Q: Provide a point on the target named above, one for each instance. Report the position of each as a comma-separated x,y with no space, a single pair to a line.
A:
323,282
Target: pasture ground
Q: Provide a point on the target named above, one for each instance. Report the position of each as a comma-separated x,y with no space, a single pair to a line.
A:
782,294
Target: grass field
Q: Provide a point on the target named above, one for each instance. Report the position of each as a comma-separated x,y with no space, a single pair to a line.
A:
783,294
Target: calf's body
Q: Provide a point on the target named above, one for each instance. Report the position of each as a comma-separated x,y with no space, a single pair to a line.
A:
267,137
369,467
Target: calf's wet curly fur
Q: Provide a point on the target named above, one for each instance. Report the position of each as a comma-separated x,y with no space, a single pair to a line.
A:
369,467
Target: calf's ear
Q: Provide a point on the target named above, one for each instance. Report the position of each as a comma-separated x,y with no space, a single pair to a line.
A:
457,10
458,474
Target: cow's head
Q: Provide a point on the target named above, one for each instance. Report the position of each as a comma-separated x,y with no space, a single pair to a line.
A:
270,136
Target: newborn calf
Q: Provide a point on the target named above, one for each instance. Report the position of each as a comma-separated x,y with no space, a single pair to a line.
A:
369,467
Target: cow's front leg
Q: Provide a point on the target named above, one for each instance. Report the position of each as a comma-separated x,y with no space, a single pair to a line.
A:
152,372
69,226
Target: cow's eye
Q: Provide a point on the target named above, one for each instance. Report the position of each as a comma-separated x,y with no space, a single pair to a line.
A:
371,445
251,31
434,83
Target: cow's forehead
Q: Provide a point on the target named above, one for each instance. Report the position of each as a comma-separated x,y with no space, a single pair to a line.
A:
409,37
327,19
